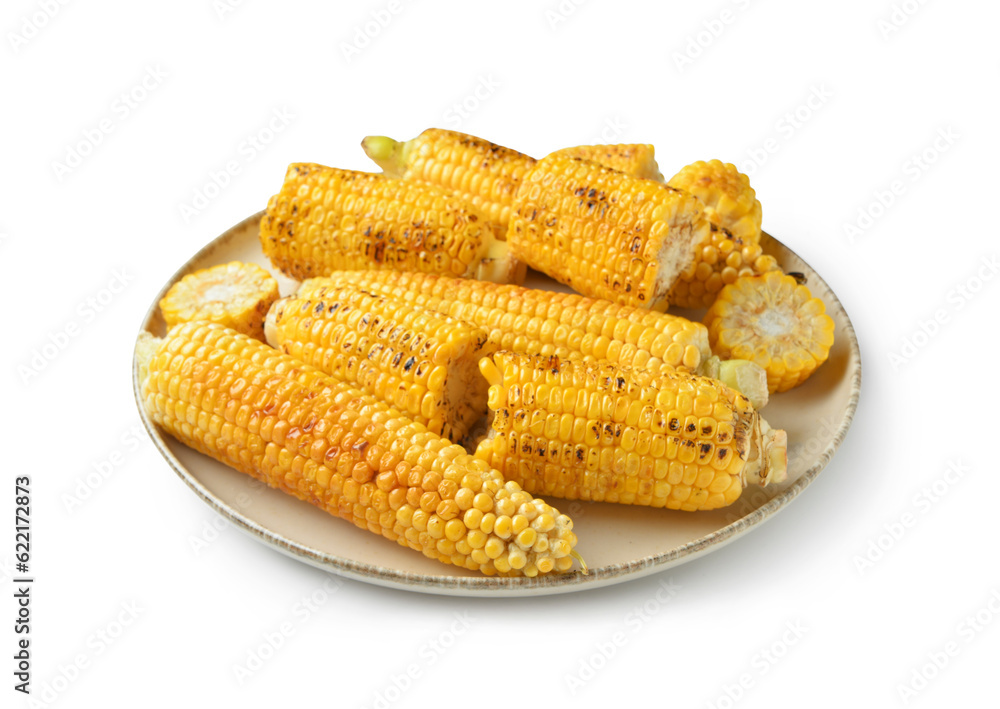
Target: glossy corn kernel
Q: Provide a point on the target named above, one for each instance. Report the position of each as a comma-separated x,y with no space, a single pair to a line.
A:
604,233
485,173
636,158
730,202
421,362
534,321
235,294
720,258
775,322
286,423
602,432
327,219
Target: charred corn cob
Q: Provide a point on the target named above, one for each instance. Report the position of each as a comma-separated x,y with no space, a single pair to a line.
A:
421,362
325,219
730,202
604,233
720,258
603,432
772,320
288,424
566,325
234,294
541,322
484,173
636,159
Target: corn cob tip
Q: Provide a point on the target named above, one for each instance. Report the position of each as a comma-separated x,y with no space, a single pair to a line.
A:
771,464
499,265
271,323
388,154
746,377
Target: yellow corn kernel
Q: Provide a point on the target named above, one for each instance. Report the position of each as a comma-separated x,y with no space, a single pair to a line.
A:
720,258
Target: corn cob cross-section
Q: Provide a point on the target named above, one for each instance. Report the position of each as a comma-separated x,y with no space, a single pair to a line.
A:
326,219
604,233
421,362
598,431
235,294
286,423
774,321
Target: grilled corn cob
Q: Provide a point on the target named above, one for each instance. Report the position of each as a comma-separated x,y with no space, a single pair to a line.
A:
234,294
484,173
288,424
566,325
603,432
730,202
604,233
636,159
772,320
326,219
720,258
421,362
541,322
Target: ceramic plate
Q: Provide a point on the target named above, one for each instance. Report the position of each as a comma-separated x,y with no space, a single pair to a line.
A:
619,542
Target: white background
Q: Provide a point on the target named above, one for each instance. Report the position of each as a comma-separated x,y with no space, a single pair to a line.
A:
903,97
